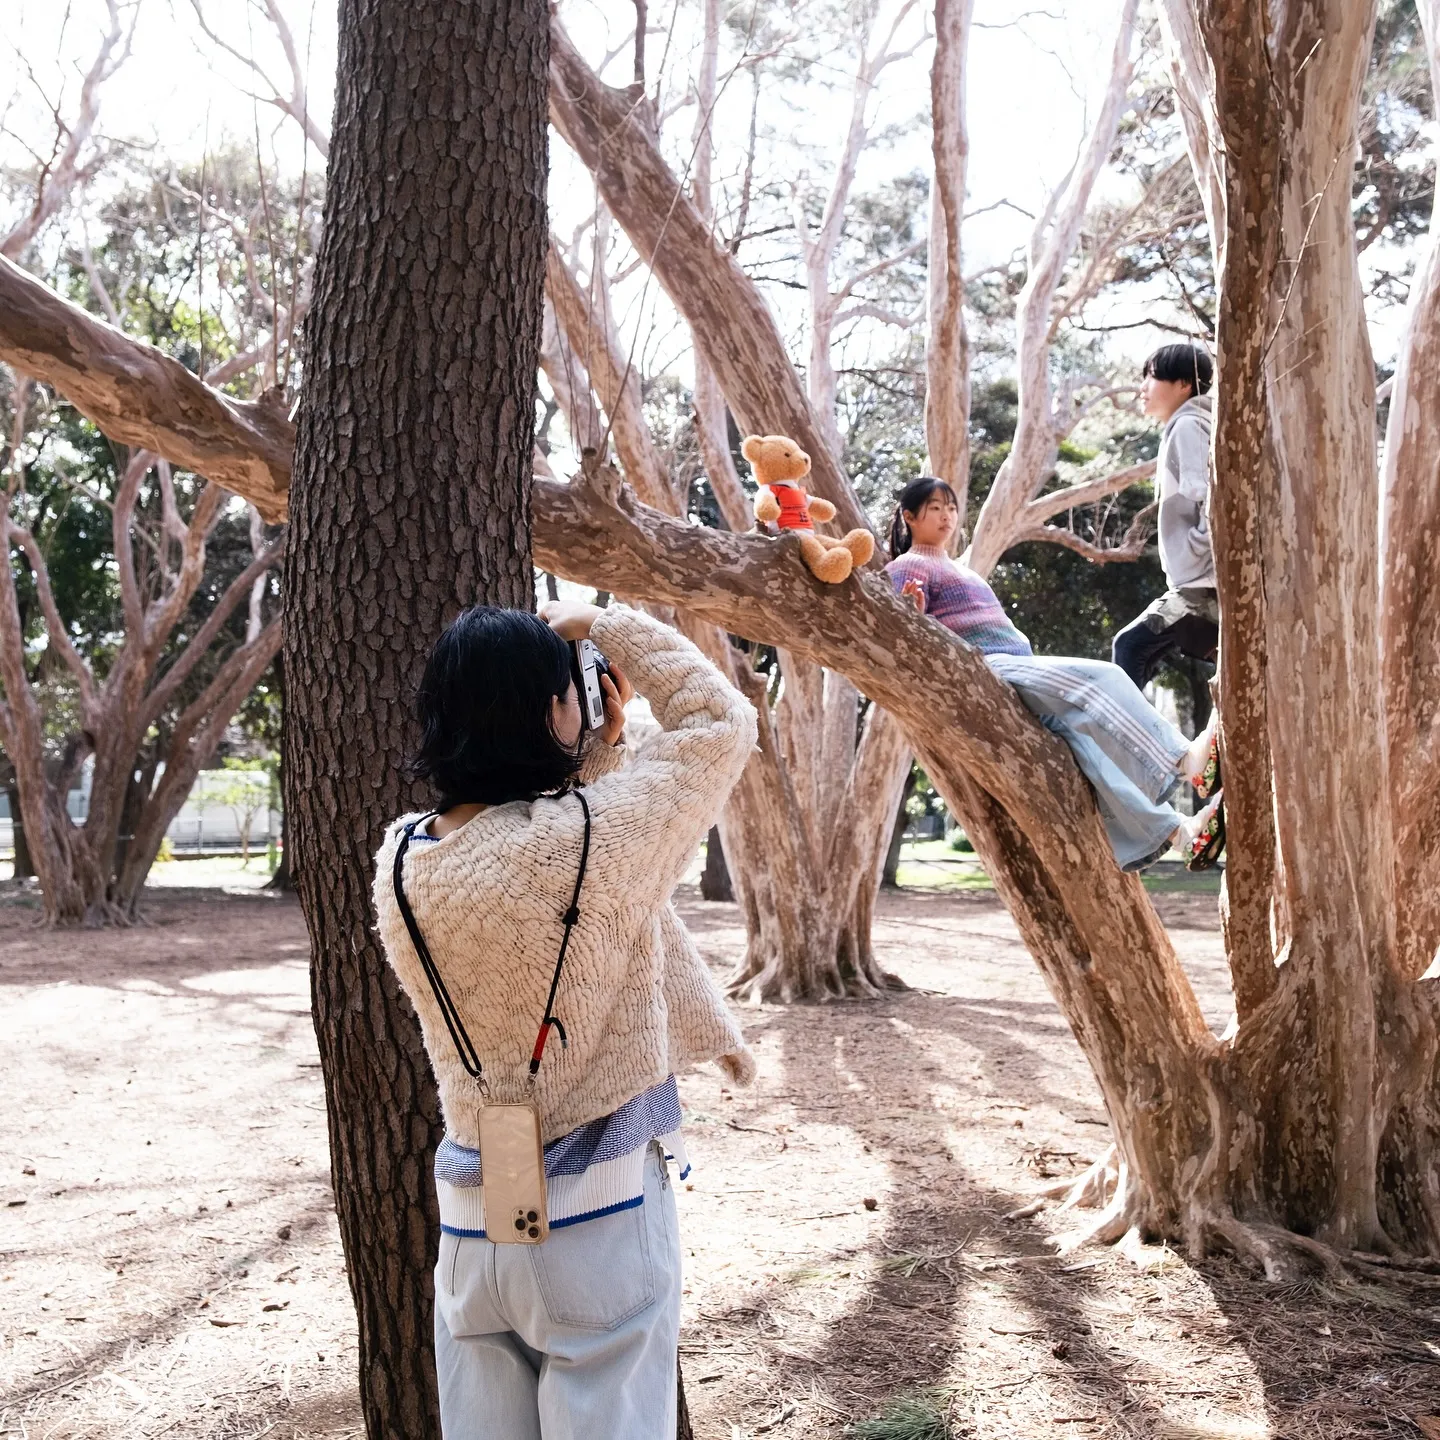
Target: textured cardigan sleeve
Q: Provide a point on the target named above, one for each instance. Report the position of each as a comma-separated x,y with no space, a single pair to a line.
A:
669,794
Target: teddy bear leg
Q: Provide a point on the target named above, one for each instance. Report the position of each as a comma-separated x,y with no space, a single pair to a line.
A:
829,566
861,545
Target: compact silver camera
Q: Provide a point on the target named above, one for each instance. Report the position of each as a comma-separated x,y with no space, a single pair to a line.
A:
587,665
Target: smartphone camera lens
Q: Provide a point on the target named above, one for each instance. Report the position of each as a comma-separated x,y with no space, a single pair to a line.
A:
519,1222
532,1217
534,1232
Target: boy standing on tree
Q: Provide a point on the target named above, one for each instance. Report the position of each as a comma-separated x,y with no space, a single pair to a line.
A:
1186,617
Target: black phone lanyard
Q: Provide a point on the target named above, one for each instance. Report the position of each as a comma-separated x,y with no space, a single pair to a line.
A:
464,1046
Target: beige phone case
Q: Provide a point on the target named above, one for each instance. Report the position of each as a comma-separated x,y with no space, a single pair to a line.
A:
512,1170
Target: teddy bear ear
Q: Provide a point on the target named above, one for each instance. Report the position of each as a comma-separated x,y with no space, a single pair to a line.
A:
752,447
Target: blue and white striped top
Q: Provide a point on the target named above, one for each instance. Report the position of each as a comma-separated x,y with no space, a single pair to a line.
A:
595,1170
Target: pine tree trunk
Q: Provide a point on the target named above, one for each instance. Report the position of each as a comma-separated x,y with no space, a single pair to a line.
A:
410,501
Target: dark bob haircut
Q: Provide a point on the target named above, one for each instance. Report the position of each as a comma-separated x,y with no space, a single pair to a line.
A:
1182,362
913,498
484,710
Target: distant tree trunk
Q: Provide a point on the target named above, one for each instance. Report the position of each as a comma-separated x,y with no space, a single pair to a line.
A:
410,501
890,875
24,866
715,877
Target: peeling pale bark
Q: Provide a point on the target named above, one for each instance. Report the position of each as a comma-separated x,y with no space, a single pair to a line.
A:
1410,600
947,347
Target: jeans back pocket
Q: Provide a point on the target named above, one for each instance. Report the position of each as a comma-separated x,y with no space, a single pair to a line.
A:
599,1273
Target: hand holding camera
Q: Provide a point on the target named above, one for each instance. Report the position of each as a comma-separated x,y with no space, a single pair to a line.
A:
601,687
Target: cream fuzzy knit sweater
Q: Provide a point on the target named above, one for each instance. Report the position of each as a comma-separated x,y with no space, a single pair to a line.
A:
636,1000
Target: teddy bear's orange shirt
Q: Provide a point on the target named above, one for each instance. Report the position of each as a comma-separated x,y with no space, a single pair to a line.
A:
794,506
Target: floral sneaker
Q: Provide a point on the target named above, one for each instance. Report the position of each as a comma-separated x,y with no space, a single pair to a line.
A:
1209,842
1207,782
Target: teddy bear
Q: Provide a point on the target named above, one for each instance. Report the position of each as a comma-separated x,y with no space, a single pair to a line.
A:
780,467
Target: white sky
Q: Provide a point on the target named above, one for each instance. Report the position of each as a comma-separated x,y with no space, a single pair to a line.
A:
1034,79
1028,84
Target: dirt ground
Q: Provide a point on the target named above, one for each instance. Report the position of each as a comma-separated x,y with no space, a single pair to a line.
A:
169,1262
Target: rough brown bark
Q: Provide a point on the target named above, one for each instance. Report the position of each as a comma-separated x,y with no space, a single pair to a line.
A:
411,501
24,867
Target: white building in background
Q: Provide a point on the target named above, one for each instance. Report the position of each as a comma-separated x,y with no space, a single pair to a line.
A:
210,820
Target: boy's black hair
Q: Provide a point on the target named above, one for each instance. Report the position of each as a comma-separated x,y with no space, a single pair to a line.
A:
1182,362
913,498
484,710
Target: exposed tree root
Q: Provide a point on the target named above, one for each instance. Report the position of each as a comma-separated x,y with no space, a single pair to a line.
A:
1281,1254
1089,1190
1123,1212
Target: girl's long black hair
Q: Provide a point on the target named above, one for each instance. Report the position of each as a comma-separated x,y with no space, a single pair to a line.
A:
913,498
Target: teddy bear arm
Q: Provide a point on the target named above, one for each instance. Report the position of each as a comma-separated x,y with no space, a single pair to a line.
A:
821,510
767,508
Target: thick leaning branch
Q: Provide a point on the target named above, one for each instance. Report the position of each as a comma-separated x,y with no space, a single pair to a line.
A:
139,396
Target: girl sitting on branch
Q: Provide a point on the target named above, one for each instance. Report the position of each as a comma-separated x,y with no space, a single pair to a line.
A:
1128,751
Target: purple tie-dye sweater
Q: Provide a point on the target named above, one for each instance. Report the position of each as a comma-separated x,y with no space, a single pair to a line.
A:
959,599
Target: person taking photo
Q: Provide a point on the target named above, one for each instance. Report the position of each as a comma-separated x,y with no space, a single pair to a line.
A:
528,919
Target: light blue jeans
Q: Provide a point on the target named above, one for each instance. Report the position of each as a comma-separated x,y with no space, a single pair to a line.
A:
1125,748
573,1339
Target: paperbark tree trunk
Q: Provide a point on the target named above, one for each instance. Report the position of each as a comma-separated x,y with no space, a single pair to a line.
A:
947,346
85,873
411,501
1410,600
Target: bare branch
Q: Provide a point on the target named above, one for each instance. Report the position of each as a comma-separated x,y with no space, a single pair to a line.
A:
1087,492
1132,547
139,396
55,628
74,163
205,636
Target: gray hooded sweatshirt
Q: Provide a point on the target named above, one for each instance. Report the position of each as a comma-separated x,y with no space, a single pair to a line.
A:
1183,475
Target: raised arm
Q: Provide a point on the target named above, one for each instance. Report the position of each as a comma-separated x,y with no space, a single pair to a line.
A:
660,805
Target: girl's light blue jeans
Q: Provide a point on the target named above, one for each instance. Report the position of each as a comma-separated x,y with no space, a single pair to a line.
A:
1126,749
572,1339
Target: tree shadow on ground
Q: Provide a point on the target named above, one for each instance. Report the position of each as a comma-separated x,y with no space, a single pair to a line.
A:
1024,1342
